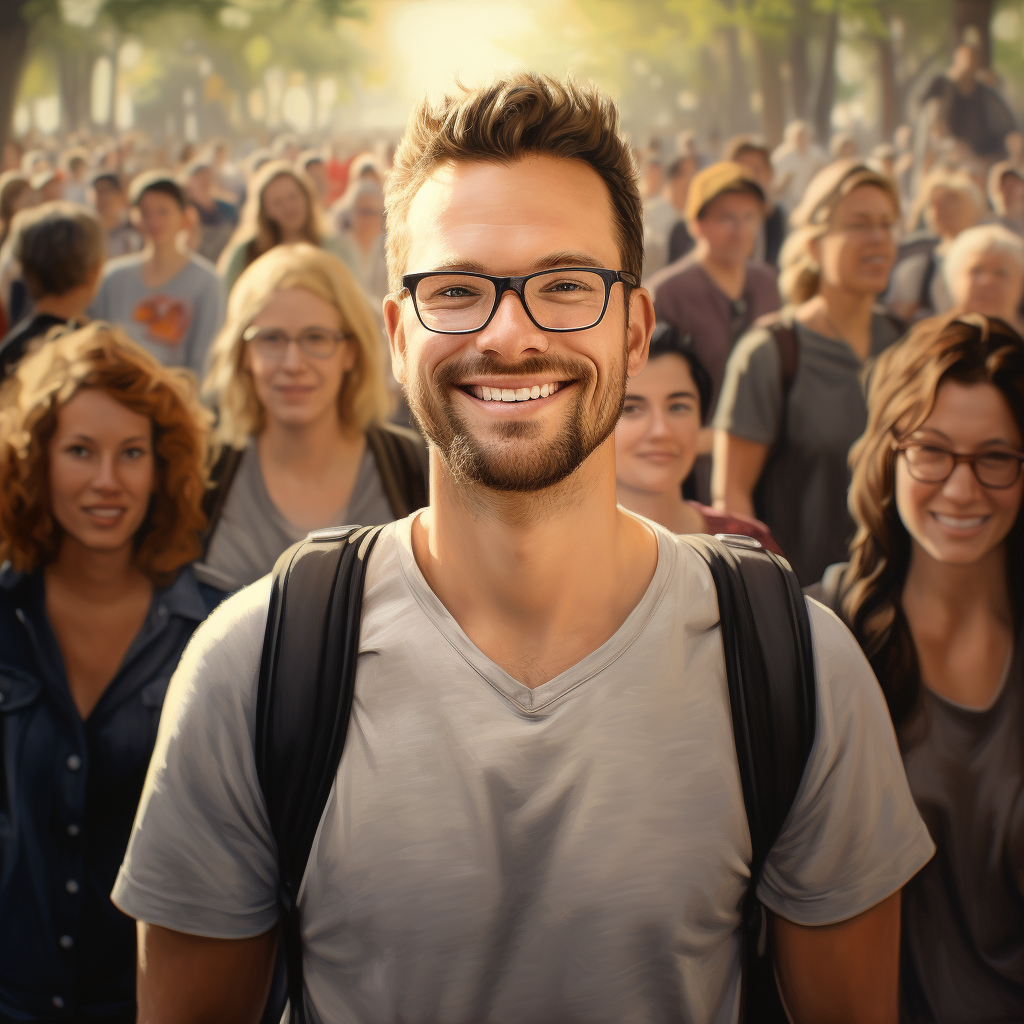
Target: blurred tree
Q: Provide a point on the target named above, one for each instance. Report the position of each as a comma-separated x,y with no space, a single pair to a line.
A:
80,31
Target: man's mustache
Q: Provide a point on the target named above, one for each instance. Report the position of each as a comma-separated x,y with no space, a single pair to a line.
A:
453,373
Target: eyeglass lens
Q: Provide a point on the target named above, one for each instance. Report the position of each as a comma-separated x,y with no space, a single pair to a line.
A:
557,300
316,342
934,465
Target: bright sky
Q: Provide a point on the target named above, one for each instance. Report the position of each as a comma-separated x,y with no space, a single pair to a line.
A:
433,40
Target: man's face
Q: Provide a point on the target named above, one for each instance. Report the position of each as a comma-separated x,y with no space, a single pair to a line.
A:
535,214
730,226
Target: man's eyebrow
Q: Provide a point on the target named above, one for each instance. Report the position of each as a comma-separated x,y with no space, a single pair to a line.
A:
550,262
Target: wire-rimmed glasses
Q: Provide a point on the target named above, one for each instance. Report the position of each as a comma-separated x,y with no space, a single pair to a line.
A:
933,464
316,342
566,299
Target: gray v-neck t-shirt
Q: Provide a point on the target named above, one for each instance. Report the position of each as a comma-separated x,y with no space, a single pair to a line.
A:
251,533
577,852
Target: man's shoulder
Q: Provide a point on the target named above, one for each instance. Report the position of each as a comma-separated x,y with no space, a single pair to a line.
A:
201,266
121,268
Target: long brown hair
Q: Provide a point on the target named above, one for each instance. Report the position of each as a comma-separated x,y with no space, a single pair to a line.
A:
256,230
967,348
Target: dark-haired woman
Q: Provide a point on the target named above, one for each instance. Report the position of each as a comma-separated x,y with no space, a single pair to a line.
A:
101,481
657,440
934,592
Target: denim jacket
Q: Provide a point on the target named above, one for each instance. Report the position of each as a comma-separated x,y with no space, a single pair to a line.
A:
68,794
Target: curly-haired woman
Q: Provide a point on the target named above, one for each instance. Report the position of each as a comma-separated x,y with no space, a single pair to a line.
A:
102,454
934,592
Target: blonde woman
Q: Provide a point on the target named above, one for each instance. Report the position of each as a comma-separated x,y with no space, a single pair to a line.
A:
792,401
283,209
298,381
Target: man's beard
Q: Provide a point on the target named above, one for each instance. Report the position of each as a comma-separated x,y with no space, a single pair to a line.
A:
504,461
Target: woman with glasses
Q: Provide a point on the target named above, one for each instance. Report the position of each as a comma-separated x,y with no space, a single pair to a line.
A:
934,593
298,383
792,401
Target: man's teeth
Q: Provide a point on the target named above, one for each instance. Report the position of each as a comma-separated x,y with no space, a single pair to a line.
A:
960,522
486,394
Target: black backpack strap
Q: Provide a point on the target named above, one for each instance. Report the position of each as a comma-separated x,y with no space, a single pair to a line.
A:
221,477
303,702
766,636
401,457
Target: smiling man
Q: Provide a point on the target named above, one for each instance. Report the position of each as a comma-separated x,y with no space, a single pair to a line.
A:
538,815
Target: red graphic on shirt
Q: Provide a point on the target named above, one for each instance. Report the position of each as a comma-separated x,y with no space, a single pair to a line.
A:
166,318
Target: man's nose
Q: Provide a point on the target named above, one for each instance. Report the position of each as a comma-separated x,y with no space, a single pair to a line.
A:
511,332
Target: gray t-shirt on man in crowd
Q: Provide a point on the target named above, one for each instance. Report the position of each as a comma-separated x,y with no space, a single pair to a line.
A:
251,533
801,496
490,852
177,321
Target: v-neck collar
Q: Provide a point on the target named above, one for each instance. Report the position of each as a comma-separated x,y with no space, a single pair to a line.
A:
537,699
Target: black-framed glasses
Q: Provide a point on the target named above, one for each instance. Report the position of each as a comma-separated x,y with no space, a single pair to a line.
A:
567,299
933,464
272,343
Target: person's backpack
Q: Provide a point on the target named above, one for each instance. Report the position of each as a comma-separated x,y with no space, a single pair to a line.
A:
302,716
400,455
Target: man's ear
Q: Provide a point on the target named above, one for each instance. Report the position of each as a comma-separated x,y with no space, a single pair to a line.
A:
394,324
639,330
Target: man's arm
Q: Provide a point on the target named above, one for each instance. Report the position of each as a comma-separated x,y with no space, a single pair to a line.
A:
735,469
845,973
190,979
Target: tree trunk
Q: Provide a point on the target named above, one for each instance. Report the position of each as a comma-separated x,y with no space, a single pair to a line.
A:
827,83
14,34
799,74
75,71
769,80
977,15
891,112
739,91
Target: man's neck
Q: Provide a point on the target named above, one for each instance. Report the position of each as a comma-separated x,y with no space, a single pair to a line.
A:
729,276
165,257
539,580
69,306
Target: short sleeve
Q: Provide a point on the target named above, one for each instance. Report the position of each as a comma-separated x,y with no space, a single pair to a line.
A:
854,835
201,858
750,404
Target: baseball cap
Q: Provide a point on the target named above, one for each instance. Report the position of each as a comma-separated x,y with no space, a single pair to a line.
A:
717,180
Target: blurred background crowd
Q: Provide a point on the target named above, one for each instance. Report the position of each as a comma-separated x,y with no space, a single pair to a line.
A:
207,181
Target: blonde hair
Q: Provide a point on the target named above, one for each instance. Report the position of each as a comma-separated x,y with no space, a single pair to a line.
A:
955,181
800,273
513,117
362,398
103,357
981,239
256,231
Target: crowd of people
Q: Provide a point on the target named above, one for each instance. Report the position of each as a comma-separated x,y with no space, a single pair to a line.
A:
201,363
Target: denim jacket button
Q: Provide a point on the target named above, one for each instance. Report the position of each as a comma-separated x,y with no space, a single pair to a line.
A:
74,762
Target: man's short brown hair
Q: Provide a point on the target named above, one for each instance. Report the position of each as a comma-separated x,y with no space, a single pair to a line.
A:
522,115
58,245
